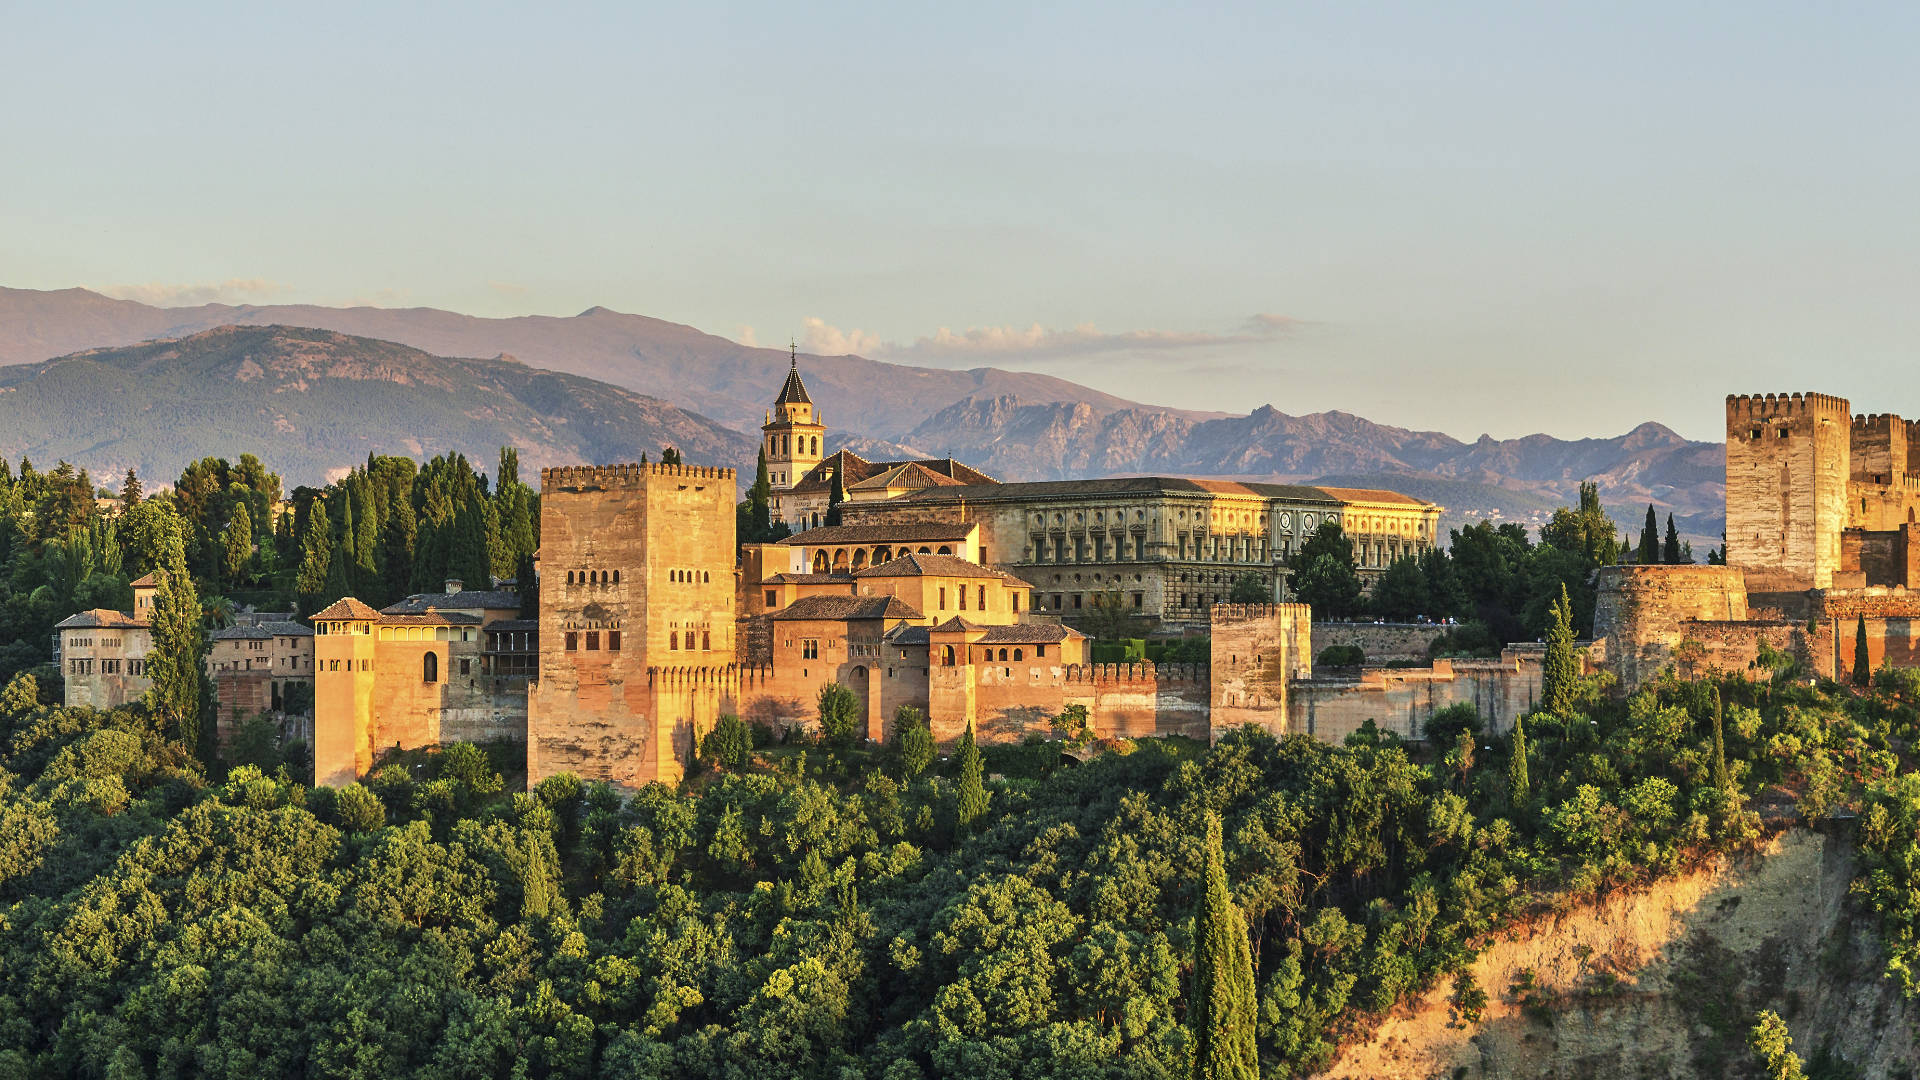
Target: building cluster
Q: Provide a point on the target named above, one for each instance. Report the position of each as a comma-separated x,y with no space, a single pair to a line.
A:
938,588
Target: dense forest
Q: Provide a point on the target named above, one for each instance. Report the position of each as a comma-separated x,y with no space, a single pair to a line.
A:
817,909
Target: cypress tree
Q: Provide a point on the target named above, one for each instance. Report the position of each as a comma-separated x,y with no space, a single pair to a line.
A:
760,500
669,456
238,544
1670,550
130,489
972,789
1862,663
1560,670
174,661
366,541
1721,778
316,555
834,498
1650,539
1519,788
1223,1004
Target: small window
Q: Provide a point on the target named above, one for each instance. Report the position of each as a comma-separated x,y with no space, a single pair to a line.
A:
773,597
983,598
963,598
943,599
616,577
613,641
673,641
430,667
1016,603
1039,652
706,641
1018,655
573,641
466,667
569,577
593,641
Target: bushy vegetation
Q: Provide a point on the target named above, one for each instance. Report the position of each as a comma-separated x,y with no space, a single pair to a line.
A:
912,918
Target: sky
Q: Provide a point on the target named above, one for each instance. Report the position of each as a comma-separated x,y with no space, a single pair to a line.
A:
1469,217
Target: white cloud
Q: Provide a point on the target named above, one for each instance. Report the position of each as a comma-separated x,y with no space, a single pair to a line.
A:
823,340
1038,342
187,294
746,336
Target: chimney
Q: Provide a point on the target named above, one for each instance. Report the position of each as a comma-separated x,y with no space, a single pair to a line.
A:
454,585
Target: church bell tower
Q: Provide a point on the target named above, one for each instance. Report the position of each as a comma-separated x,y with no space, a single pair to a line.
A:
793,433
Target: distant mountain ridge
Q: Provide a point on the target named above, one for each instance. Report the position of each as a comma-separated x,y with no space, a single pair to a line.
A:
313,402
1014,425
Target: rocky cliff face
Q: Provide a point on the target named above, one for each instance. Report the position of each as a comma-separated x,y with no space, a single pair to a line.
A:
1665,982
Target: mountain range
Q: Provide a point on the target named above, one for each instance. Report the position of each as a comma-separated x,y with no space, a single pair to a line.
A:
605,385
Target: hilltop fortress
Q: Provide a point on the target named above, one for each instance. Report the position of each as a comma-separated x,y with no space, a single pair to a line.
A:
1821,536
945,591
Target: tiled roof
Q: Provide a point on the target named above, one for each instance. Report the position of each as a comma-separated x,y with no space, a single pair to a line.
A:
854,469
910,474
957,625
346,608
1354,495
812,579
847,608
242,633
431,618
1153,485
1029,634
464,600
282,628
99,617
794,392
144,581
905,532
513,626
917,565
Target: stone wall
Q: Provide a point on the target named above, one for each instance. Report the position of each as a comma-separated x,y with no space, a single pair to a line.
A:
1401,700
1380,641
1640,612
1257,651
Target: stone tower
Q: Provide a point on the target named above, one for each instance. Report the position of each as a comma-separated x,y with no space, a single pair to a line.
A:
636,619
343,681
793,434
1787,471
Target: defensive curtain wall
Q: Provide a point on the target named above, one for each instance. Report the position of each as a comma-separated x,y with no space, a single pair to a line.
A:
1380,642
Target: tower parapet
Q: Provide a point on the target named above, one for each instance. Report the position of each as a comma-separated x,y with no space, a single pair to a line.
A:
630,476
1789,457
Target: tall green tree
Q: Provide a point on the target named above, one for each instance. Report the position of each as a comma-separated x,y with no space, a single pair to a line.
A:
316,556
175,660
1650,539
835,497
1862,661
972,790
130,490
1722,779
1560,669
1519,786
1670,549
669,456
1326,577
1583,529
238,543
1223,1008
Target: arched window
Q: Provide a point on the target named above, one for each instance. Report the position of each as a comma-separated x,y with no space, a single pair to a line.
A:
1019,654
673,640
616,577
706,576
430,667
946,656
569,577
1003,654
706,641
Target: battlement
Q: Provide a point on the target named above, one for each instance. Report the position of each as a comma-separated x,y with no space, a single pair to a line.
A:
1878,422
1743,409
1142,673
721,675
1224,613
630,476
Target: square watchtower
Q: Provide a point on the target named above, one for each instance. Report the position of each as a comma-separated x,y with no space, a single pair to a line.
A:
1788,463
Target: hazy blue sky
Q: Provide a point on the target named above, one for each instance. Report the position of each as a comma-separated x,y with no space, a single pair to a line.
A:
1470,217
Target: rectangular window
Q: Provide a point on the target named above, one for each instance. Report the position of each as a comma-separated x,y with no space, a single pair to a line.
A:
593,641
963,598
1139,599
810,649
1040,651
613,641
1016,603
466,667
573,641
1076,601
983,598
943,599
773,597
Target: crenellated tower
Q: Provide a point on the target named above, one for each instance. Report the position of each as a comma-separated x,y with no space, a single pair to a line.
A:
793,434
1788,463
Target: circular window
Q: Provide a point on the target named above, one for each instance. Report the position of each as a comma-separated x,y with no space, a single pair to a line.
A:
1286,520
1079,518
1057,519
1098,517
1139,515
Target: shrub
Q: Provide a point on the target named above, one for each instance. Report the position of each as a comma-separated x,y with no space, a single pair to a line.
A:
1341,656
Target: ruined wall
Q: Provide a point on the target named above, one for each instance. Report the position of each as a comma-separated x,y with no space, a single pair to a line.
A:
1380,641
668,532
1788,463
1640,612
1401,700
1135,701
